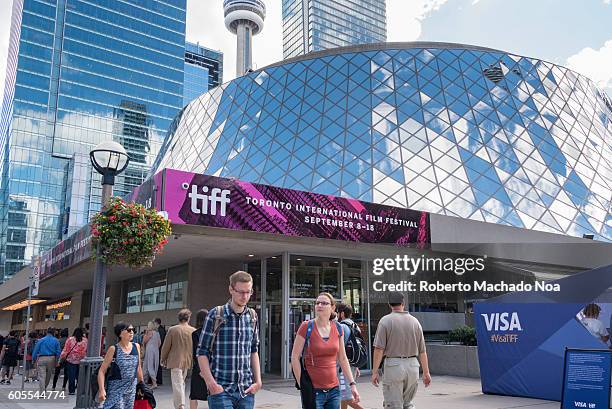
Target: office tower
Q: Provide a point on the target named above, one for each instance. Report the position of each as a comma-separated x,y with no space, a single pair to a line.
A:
245,18
203,71
78,73
315,25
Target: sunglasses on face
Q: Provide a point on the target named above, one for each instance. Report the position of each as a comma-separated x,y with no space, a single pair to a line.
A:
131,329
323,303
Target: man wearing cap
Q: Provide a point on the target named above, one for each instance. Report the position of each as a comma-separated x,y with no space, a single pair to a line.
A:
399,338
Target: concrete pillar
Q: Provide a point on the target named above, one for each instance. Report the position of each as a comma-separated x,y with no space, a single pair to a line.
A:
76,310
208,283
114,308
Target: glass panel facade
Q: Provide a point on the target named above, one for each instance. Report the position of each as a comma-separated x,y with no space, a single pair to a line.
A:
79,73
133,292
309,276
177,287
154,292
162,290
203,71
456,130
315,25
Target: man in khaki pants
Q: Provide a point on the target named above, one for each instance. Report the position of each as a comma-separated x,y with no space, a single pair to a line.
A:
177,355
46,355
399,338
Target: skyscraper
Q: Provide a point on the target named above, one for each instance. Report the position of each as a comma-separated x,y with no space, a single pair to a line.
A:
314,25
203,71
78,73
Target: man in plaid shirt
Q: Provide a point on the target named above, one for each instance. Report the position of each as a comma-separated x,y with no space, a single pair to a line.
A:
228,350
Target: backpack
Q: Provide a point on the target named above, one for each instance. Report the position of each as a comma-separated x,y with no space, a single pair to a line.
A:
12,347
220,320
355,346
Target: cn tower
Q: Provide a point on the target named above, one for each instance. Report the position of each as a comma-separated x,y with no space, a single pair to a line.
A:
245,18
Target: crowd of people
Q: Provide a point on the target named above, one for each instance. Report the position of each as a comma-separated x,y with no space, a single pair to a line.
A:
46,355
223,353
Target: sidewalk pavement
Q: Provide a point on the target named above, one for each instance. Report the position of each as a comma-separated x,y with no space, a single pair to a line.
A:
445,392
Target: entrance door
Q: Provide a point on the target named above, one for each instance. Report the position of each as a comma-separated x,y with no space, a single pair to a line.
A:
299,311
273,339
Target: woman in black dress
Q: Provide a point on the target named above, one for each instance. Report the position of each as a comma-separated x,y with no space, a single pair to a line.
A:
198,386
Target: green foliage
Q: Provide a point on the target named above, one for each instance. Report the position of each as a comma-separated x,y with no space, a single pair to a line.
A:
129,234
466,335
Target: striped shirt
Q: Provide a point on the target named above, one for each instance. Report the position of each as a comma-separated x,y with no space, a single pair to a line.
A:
237,339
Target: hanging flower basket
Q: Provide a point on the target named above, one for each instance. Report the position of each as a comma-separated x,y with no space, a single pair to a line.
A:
129,234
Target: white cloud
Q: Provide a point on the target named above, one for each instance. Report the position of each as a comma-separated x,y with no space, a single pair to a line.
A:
595,64
404,17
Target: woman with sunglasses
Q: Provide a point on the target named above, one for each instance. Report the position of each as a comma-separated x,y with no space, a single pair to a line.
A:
325,348
120,393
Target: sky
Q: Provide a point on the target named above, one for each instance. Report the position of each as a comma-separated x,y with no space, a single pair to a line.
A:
574,33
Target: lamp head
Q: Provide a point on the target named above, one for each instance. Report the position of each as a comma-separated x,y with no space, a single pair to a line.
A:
109,158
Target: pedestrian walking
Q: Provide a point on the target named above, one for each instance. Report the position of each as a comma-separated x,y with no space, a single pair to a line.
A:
152,342
399,338
198,390
8,357
29,366
62,340
46,354
176,355
345,313
74,351
228,350
162,335
126,370
320,342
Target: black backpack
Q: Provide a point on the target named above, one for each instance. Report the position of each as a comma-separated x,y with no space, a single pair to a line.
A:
355,346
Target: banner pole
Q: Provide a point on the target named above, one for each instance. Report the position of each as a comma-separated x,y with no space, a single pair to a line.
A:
27,331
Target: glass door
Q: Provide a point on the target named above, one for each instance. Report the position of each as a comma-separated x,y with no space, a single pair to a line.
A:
273,339
308,277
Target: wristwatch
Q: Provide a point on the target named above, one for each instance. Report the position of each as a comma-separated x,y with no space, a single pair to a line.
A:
353,383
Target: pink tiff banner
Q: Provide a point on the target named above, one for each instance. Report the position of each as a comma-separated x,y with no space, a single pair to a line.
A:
197,199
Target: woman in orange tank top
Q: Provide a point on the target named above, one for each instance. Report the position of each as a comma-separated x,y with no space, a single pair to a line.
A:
325,348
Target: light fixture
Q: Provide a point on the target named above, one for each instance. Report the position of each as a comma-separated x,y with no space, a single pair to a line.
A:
109,158
22,304
251,255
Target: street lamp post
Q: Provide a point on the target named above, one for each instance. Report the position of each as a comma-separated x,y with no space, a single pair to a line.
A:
109,159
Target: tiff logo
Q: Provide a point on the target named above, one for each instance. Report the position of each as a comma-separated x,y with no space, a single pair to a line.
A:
202,202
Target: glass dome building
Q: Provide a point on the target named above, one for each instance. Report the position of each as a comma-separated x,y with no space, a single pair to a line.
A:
452,129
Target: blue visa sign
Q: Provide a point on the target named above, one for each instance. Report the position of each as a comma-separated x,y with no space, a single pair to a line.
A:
586,379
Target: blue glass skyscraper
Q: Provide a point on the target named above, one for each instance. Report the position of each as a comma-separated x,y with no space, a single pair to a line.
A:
315,25
78,73
203,71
